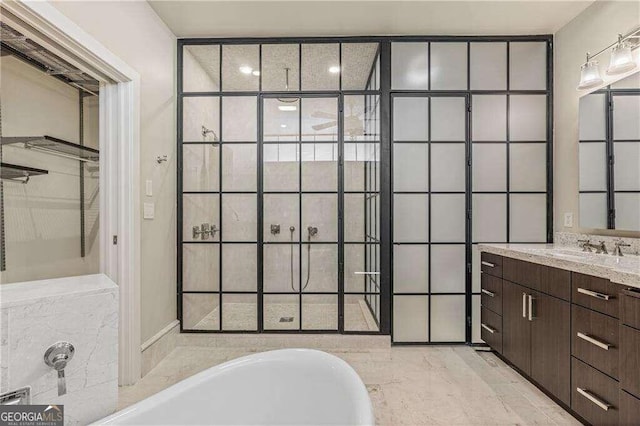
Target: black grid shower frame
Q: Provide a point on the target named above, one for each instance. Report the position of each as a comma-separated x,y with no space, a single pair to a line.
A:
259,95
610,141
428,95
548,92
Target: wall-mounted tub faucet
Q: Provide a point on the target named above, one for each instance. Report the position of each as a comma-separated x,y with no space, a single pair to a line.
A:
57,356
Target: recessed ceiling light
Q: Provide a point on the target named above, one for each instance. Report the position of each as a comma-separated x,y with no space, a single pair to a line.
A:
287,107
334,69
246,69
283,126
256,73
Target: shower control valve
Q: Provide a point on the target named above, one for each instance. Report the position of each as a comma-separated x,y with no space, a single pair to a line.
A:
275,229
204,231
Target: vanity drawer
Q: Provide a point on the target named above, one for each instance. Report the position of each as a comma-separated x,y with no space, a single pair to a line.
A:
595,293
491,329
520,272
491,264
629,409
595,339
594,395
491,293
630,360
556,282
630,308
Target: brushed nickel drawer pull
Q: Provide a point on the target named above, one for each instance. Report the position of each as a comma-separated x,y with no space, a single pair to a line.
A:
593,341
594,294
531,314
489,264
524,305
488,293
489,329
600,403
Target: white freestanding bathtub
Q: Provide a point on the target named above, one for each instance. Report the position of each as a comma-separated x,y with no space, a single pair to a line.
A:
283,387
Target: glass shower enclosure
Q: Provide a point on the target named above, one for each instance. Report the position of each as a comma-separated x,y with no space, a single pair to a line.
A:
279,177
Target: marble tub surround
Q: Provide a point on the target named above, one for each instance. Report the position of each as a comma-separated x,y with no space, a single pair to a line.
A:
621,270
81,310
571,239
449,385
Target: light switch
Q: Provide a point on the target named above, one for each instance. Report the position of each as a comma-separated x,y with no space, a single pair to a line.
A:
149,210
149,188
568,220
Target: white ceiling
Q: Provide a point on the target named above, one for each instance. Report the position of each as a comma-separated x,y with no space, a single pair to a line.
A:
265,18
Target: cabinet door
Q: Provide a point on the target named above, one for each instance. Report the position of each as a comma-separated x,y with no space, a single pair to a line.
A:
551,344
516,338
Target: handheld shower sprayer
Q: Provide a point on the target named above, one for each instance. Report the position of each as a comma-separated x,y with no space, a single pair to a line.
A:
312,231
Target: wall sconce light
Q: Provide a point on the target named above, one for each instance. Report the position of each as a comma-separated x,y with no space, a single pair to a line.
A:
621,60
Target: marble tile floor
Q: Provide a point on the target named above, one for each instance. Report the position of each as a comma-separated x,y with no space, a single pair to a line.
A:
433,385
315,316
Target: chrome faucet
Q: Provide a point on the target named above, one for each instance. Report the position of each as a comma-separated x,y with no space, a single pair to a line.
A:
617,251
586,245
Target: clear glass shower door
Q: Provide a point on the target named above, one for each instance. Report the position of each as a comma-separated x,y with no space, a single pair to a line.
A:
300,152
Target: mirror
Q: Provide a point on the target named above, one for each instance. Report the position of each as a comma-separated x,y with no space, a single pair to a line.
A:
609,155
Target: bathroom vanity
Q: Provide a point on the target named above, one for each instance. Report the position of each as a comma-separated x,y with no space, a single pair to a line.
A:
569,321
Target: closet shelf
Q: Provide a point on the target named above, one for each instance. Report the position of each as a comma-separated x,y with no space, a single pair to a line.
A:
17,173
55,146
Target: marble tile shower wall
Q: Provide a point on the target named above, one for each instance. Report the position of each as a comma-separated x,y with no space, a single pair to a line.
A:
81,310
239,224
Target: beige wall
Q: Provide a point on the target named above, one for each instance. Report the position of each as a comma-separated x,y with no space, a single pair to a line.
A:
132,31
42,218
590,31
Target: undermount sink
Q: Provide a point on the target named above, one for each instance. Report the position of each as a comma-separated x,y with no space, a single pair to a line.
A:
570,254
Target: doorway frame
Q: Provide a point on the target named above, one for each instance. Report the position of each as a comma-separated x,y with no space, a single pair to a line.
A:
119,135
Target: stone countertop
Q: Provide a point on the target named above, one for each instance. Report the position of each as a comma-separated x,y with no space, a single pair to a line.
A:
621,270
27,292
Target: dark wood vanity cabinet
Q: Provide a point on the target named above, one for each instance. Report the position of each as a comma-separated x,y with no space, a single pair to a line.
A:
575,335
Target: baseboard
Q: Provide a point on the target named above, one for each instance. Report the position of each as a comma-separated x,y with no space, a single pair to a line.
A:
159,346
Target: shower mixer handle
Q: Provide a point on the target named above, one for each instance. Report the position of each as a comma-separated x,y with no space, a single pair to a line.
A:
57,357
204,231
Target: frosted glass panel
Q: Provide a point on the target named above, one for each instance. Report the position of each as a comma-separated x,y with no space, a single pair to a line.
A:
319,61
239,312
628,211
410,167
626,124
528,218
199,112
528,167
239,167
198,209
239,263
447,218
448,268
239,118
528,66
528,118
593,166
489,217
593,211
238,65
448,164
627,166
201,68
410,318
448,119
410,218
448,66
489,114
489,167
200,167
201,267
239,217
409,66
488,66
410,268
321,211
448,318
410,119
593,114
